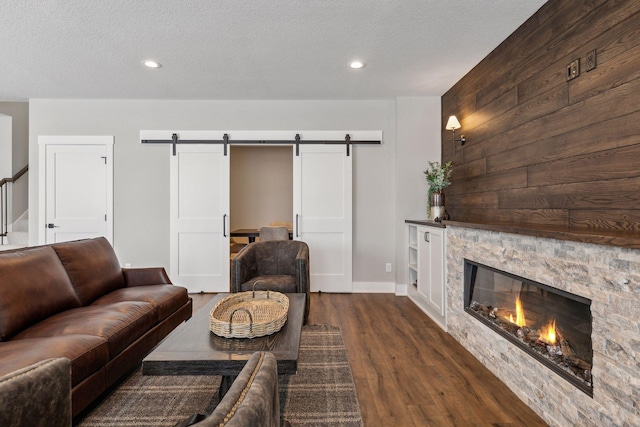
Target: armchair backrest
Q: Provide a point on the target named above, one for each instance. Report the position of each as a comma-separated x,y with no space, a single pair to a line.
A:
278,257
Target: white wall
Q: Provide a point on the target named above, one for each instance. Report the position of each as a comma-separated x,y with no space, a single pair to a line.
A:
418,131
141,171
19,152
6,147
389,186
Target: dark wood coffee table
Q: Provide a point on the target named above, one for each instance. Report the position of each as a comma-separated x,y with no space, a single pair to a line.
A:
192,349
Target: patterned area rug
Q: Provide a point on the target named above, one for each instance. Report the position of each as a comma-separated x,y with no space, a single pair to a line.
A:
321,394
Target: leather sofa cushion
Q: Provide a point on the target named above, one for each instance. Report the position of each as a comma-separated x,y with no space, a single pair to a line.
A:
120,323
92,266
33,286
278,283
87,354
166,298
276,257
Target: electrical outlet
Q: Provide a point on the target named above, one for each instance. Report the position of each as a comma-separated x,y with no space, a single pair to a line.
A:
590,60
573,69
388,267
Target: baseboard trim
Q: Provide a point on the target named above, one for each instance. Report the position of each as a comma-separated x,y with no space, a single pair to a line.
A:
373,287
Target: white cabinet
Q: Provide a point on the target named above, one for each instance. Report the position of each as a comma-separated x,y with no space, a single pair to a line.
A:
426,270
412,274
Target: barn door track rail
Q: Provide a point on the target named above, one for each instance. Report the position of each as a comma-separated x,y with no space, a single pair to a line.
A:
226,140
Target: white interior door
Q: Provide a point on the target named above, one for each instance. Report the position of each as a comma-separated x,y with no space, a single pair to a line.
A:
199,242
322,199
76,179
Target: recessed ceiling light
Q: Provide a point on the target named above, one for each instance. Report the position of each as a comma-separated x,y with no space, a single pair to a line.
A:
357,65
151,63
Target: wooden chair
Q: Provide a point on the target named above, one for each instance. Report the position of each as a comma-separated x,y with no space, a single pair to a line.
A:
273,233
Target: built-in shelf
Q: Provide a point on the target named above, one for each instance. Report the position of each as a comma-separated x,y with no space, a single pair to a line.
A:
624,239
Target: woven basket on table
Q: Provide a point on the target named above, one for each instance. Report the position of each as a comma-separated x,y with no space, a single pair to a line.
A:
249,314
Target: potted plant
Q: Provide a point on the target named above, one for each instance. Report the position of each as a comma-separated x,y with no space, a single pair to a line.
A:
437,177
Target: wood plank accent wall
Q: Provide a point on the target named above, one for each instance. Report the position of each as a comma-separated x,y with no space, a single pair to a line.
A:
547,153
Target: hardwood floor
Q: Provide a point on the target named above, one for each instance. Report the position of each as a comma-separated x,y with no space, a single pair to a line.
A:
408,371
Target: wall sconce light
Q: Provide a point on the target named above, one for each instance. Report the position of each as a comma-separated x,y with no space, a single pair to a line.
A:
452,125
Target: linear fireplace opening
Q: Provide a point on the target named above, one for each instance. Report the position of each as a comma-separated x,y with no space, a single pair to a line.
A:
551,325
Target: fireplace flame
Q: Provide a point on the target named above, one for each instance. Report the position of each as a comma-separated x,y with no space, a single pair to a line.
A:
548,333
520,320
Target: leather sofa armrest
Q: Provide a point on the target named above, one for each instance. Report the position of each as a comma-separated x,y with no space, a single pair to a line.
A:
145,276
38,395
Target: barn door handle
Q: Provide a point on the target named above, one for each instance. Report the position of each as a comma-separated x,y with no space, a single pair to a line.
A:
224,225
297,226
52,226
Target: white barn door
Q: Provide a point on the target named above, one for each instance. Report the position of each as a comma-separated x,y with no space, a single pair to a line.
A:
322,205
199,205
76,188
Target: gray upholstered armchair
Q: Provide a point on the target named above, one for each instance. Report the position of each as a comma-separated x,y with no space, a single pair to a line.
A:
277,265
38,395
252,399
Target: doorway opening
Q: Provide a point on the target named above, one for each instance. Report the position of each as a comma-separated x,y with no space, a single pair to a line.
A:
261,189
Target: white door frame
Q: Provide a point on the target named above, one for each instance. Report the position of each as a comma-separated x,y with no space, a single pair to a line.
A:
46,140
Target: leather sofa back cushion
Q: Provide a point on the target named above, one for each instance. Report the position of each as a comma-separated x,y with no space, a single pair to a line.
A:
33,286
92,266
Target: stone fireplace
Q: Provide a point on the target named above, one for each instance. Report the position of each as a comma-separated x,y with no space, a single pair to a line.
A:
605,276
551,325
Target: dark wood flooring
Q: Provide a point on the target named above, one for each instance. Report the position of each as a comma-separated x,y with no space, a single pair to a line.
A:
408,371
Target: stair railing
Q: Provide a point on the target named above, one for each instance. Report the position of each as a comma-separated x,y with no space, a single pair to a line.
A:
4,202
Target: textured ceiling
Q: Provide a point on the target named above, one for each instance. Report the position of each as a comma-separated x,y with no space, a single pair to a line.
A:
247,49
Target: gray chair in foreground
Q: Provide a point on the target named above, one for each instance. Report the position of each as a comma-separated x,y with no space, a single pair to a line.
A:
252,399
277,265
38,395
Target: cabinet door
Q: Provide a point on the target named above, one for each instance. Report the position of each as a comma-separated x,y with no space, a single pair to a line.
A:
431,269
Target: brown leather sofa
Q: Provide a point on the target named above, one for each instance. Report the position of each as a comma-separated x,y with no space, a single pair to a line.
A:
74,300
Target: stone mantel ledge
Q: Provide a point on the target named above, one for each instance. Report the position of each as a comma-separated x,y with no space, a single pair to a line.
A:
623,239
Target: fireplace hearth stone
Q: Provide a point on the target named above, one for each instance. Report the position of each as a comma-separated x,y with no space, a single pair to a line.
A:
609,276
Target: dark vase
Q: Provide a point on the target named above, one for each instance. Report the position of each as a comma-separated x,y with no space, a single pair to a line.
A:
438,212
